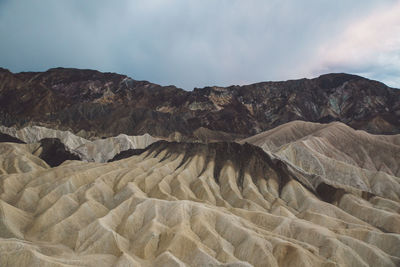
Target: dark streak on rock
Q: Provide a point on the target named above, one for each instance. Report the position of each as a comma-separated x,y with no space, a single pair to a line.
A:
244,158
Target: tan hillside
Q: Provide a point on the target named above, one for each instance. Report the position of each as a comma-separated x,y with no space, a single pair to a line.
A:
18,158
338,154
180,204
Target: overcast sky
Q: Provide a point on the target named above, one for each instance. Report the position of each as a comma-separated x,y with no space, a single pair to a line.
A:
204,42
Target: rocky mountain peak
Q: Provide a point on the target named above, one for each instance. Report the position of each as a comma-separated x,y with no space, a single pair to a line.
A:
110,104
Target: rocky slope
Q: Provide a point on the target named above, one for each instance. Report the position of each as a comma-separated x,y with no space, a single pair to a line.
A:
90,103
19,158
98,150
335,152
191,204
294,194
336,156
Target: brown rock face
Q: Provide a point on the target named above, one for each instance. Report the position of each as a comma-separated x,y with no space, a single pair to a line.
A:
106,104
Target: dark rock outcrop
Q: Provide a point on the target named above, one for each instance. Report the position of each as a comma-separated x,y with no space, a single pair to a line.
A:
107,104
127,154
54,152
10,139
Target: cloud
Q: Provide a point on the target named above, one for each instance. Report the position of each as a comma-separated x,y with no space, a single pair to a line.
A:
370,47
191,43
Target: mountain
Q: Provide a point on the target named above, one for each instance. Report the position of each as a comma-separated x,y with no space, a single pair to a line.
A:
216,204
97,169
91,103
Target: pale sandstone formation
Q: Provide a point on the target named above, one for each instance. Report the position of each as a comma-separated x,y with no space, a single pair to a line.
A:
338,155
175,204
18,158
100,150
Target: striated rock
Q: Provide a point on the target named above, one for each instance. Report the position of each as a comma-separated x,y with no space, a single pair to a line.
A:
108,104
300,194
100,150
33,134
191,204
18,158
337,155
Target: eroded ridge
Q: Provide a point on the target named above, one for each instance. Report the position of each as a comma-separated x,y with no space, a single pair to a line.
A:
97,150
178,204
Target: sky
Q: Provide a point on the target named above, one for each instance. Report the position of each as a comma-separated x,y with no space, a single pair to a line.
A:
200,43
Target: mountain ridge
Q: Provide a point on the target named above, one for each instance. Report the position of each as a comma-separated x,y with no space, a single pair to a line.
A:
343,74
107,104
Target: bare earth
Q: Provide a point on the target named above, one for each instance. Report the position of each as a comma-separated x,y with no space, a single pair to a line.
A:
314,195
